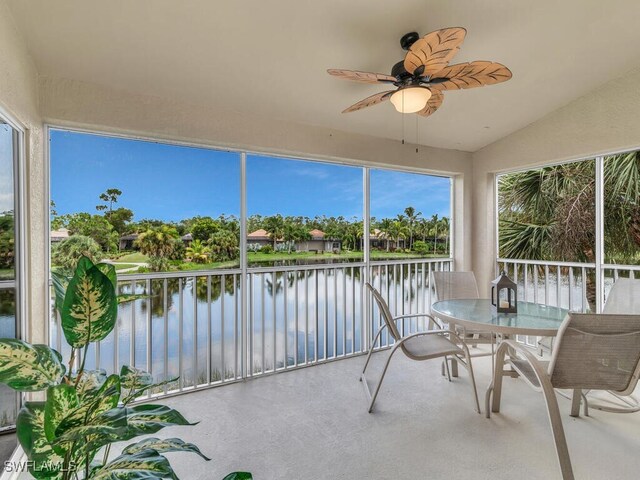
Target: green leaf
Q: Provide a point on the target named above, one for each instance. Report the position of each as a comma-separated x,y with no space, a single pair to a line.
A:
133,378
144,465
162,445
108,427
61,400
90,307
31,435
136,382
148,418
109,271
29,368
90,381
60,283
238,476
94,403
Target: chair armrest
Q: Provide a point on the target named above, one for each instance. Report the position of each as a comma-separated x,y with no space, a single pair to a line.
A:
419,315
537,366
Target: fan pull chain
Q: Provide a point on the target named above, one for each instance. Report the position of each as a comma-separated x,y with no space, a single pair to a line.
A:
417,134
403,114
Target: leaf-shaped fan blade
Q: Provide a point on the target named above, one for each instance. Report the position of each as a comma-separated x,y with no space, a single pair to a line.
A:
364,77
433,104
434,51
367,102
471,75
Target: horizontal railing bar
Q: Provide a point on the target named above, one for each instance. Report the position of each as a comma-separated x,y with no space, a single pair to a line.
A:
544,262
609,266
402,261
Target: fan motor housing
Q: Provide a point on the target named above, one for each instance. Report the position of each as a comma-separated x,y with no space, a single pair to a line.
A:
408,39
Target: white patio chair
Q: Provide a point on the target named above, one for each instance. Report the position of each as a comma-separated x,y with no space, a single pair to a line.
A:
594,352
624,299
426,345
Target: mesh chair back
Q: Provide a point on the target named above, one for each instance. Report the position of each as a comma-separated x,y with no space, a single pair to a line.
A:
385,312
453,285
598,352
624,297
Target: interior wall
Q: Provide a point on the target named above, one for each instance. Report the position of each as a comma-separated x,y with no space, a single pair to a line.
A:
72,103
19,99
604,121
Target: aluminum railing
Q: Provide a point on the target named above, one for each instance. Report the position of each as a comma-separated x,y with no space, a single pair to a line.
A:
192,325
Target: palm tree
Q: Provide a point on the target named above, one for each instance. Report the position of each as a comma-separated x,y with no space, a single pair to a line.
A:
274,226
412,218
198,252
398,230
434,230
549,213
386,224
159,244
445,230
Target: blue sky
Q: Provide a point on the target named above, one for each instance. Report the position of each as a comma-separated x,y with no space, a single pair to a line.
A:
172,182
6,168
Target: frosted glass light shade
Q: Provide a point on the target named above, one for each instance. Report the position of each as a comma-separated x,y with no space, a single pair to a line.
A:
411,99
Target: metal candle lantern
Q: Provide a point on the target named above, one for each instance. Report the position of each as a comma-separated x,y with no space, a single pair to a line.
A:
504,295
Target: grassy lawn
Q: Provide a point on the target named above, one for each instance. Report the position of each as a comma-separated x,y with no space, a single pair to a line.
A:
128,260
124,266
7,273
135,257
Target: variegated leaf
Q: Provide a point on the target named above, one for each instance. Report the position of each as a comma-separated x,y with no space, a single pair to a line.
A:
61,400
470,75
369,101
239,476
110,271
90,307
59,282
144,465
94,403
29,368
434,51
133,378
108,427
433,104
90,381
364,77
162,445
31,435
147,418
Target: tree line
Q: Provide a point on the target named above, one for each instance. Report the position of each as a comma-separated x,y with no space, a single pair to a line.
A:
217,239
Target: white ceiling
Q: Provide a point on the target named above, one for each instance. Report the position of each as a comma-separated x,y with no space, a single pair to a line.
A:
269,58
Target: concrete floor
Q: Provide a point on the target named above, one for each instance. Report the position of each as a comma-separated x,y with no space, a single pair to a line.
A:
313,424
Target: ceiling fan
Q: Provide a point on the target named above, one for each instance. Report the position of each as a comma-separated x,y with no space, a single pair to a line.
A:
425,73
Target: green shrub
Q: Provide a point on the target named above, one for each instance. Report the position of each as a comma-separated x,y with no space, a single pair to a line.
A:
421,247
266,249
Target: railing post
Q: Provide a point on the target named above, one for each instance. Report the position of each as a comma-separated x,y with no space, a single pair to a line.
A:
243,266
599,247
366,224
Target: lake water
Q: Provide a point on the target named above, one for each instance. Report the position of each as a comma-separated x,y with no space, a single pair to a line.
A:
294,317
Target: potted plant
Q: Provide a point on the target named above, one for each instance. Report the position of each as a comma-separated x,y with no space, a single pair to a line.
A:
68,433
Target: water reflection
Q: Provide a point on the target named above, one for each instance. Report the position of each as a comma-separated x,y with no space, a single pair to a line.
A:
192,326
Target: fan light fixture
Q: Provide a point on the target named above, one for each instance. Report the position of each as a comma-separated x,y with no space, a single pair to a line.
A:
411,99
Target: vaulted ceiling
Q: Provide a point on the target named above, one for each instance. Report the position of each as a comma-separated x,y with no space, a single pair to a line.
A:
269,58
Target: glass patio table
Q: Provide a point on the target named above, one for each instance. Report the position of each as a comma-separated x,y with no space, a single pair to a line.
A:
476,314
